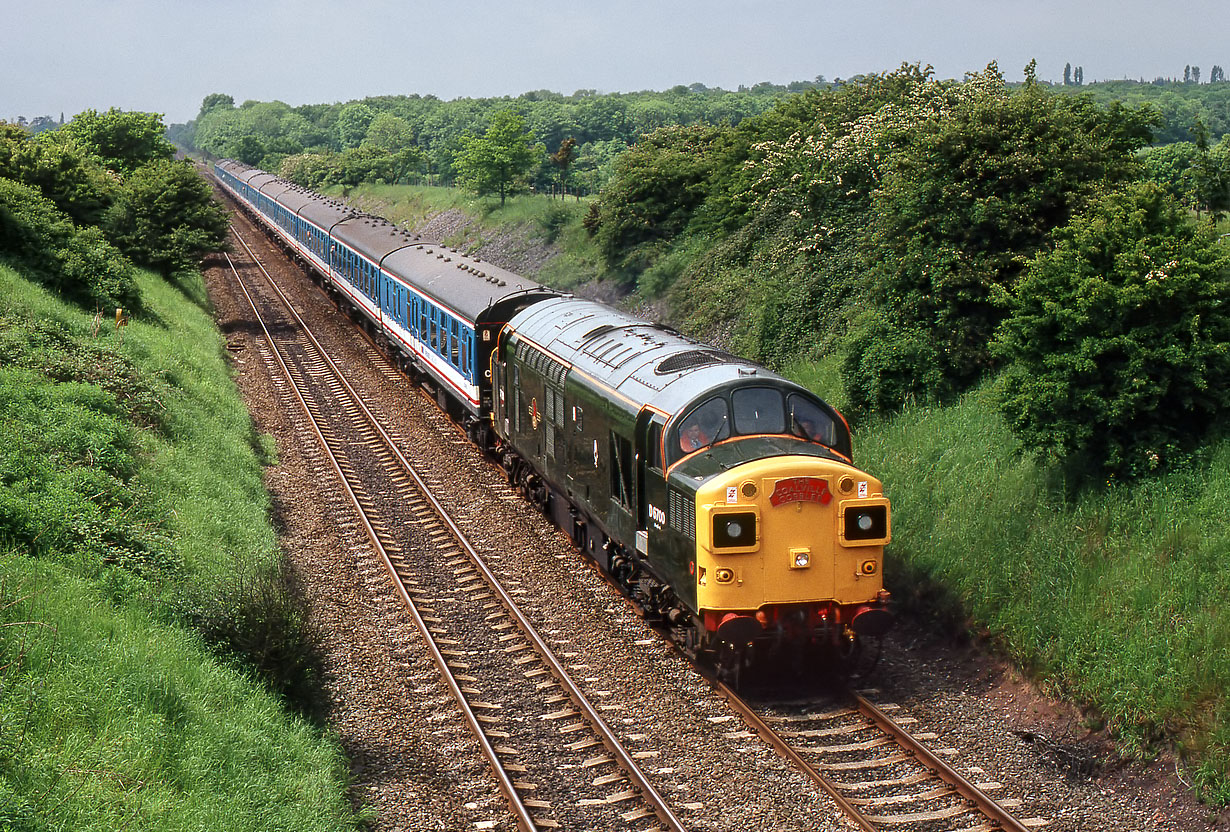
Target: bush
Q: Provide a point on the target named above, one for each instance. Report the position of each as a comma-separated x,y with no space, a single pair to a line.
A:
1118,339
888,363
165,217
80,263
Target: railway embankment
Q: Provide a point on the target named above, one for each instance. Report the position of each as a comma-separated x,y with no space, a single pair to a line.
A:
143,623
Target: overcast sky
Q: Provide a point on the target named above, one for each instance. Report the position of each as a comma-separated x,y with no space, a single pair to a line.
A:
165,56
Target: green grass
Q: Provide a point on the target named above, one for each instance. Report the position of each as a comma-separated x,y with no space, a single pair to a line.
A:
130,497
1113,597
536,217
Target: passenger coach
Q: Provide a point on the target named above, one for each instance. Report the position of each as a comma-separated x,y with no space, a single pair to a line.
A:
439,309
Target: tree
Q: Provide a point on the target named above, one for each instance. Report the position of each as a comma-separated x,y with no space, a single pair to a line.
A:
389,132
165,217
353,122
56,165
1118,344
966,198
247,149
656,187
1067,75
1209,176
1079,76
40,123
495,162
123,141
562,159
215,101
1195,74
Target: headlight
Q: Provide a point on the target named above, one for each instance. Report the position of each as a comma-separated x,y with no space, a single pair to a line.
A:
866,522
800,558
734,530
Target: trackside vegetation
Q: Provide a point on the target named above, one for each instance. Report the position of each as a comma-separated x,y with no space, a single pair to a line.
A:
1110,596
155,670
130,496
1020,296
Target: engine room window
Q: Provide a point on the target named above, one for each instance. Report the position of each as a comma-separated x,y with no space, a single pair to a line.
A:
758,410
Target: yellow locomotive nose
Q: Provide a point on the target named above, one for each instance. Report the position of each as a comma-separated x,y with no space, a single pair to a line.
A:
788,534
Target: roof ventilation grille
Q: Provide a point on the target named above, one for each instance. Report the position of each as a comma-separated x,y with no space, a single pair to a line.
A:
690,360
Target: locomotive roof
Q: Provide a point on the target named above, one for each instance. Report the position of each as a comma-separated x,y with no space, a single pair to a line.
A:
462,283
646,363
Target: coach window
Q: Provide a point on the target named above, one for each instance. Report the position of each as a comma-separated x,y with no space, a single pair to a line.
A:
758,410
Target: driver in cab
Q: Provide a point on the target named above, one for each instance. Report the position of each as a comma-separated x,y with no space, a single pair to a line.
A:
692,438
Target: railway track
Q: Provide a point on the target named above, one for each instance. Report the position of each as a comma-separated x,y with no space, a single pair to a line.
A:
879,773
879,779
556,761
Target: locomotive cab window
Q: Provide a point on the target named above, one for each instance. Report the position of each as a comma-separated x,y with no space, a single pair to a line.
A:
808,421
758,410
705,424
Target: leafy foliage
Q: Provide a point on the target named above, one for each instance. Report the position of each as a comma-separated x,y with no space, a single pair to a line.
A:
1118,341
165,217
56,165
497,162
81,263
656,187
123,141
353,122
983,178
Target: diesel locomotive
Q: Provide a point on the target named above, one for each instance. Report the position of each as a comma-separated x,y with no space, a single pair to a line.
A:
719,495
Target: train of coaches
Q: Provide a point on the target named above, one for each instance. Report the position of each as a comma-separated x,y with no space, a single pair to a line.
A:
718,494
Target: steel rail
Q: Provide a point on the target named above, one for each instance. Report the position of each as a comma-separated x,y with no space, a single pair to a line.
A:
766,732
977,797
524,820
591,715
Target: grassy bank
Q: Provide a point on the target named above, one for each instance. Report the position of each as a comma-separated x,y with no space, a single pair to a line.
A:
537,219
130,498
1111,597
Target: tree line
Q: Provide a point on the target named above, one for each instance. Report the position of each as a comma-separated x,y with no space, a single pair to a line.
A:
419,139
